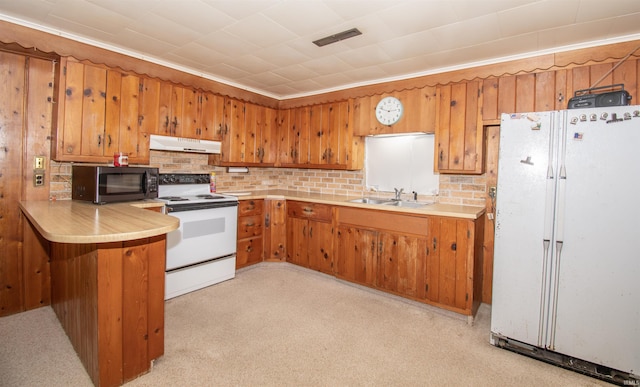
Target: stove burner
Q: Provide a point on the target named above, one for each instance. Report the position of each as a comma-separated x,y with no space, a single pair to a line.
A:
173,198
208,196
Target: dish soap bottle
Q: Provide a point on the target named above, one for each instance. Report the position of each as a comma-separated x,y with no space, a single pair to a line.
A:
212,182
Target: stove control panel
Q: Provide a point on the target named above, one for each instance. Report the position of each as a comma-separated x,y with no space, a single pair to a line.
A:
183,178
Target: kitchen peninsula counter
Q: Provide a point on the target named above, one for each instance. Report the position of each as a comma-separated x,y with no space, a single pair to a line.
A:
435,209
107,267
69,221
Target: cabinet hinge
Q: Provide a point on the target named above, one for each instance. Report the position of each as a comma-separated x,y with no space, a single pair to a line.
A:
466,297
426,288
468,234
64,70
140,87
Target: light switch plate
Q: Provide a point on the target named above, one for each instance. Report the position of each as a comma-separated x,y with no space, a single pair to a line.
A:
38,162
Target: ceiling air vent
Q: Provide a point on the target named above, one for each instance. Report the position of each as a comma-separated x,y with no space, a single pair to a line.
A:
337,37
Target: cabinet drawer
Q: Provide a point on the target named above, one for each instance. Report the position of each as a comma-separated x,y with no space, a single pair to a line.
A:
250,207
321,212
249,252
249,226
383,220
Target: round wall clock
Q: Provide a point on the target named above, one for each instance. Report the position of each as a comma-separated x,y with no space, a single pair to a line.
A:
389,110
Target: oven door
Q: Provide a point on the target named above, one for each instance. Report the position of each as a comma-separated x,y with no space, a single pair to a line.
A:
204,234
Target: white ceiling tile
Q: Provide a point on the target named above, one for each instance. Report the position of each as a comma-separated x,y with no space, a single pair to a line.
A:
594,10
260,30
239,9
535,17
195,14
469,9
365,56
412,16
164,29
295,72
133,9
199,54
281,55
412,45
288,13
229,72
142,43
624,25
267,78
228,44
363,74
89,15
251,64
475,31
38,9
326,65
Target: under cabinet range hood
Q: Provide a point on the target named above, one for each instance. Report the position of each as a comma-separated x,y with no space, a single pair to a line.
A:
180,144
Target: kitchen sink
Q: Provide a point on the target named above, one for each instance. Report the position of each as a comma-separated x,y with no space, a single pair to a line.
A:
405,204
370,201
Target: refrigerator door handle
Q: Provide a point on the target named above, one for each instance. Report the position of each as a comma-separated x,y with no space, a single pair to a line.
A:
554,306
543,293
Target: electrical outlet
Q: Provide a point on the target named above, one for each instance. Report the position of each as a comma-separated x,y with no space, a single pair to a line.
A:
38,162
38,179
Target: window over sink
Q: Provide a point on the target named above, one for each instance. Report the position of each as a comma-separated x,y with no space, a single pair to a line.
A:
401,161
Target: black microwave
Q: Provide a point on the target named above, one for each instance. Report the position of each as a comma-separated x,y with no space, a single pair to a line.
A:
102,184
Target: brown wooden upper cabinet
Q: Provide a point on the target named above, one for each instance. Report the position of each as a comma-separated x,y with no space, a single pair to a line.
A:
459,129
248,134
319,136
419,113
178,111
97,115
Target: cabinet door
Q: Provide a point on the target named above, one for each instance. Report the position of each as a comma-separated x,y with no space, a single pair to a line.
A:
301,133
128,135
189,121
211,116
233,138
320,246
267,141
149,106
297,241
251,144
93,111
285,137
459,130
165,127
356,255
449,272
401,264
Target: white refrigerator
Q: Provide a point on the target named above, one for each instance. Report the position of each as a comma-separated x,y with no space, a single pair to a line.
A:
566,279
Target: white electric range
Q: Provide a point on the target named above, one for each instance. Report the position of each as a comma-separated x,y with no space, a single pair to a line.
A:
202,251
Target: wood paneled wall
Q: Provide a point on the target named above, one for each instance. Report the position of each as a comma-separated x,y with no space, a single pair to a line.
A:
27,87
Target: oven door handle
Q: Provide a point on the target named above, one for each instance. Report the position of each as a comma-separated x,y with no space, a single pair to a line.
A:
198,206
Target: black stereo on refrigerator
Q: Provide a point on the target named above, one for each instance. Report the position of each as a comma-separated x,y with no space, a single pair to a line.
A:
587,99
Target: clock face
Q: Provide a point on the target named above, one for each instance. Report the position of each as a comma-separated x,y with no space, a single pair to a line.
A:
389,110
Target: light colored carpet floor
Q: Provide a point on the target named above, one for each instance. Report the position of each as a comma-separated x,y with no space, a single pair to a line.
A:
281,325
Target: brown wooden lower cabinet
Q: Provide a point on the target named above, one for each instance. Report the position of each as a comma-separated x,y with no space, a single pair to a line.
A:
310,235
250,240
436,260
109,298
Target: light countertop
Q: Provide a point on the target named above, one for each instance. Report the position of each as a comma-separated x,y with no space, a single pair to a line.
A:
70,221
436,209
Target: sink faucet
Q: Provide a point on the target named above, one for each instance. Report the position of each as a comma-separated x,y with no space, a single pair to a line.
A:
398,193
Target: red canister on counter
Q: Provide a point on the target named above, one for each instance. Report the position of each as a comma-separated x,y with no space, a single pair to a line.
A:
120,159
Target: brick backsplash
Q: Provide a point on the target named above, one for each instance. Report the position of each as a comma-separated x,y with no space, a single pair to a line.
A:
454,189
